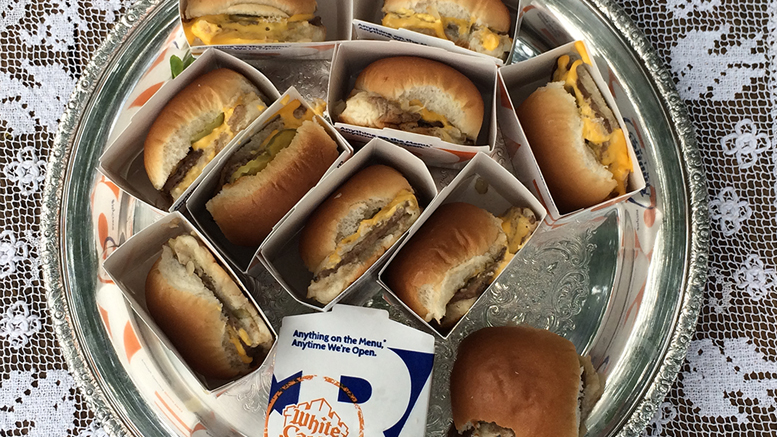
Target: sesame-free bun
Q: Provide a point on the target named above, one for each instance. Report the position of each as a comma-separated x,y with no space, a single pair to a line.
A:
247,209
456,243
194,107
193,317
340,216
551,121
489,13
439,87
519,378
268,8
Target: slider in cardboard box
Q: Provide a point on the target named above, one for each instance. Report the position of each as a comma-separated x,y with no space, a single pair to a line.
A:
350,372
130,264
487,185
122,161
352,57
516,83
368,16
336,16
244,257
280,252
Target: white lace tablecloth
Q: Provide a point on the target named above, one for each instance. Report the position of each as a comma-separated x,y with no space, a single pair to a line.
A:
722,55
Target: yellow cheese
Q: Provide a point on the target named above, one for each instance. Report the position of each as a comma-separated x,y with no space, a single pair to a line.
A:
516,235
220,29
385,213
463,25
234,338
616,156
205,141
287,115
490,40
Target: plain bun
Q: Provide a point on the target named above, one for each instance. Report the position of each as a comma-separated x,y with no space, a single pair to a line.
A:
441,89
554,129
519,378
169,139
490,13
457,242
247,210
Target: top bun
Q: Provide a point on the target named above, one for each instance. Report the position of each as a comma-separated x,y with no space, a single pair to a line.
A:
457,239
339,216
518,377
268,8
489,13
553,126
169,139
440,88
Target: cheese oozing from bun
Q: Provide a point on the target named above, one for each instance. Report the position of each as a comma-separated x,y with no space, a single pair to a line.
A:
354,227
252,22
203,312
479,25
416,95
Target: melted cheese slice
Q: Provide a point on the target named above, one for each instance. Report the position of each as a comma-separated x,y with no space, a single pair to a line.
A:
616,156
287,115
385,213
220,29
409,19
234,338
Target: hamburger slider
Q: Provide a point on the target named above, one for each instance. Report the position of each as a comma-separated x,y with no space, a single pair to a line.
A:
454,257
268,175
202,311
575,138
479,25
353,227
195,125
416,95
210,22
518,381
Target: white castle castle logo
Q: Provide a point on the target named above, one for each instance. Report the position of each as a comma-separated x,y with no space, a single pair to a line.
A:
312,419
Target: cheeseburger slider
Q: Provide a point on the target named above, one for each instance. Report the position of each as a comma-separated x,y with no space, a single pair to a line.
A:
195,125
199,307
210,22
263,179
352,228
576,139
416,95
518,381
454,257
479,25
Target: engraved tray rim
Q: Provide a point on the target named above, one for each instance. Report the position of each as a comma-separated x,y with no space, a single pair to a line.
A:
52,245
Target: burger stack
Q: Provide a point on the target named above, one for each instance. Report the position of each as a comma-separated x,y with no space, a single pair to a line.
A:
253,177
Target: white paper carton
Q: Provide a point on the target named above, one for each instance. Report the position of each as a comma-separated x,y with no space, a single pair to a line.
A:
539,25
242,256
129,265
485,184
352,57
336,16
516,83
368,15
347,373
280,251
122,161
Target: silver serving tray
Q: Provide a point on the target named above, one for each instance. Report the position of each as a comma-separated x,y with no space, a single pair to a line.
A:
632,306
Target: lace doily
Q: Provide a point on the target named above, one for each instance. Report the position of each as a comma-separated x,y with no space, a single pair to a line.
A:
722,56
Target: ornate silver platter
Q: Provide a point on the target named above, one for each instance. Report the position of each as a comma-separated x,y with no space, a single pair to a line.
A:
624,283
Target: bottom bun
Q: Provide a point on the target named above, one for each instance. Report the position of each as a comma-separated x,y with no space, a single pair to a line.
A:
520,379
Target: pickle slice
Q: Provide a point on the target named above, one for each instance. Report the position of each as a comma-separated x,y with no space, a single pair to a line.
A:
208,128
278,142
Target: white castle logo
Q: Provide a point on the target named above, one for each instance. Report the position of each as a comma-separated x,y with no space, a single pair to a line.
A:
312,419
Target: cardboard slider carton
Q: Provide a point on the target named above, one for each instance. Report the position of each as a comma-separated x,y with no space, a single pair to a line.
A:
122,161
350,372
516,83
280,251
352,57
485,184
244,257
336,16
130,264
368,16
